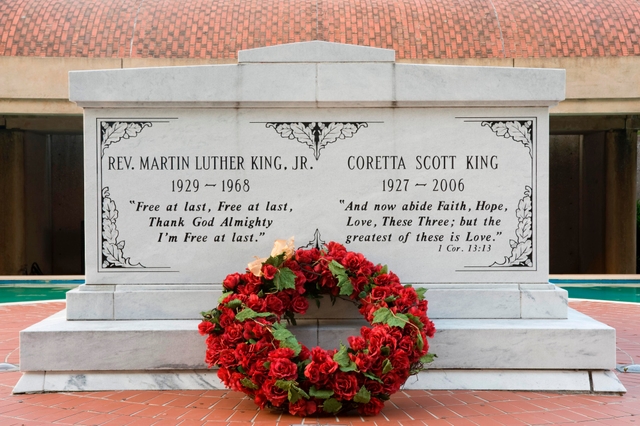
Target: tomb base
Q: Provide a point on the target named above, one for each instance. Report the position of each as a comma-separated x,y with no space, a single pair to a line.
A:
572,354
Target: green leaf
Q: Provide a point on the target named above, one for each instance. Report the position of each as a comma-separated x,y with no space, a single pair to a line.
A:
336,268
247,383
385,350
344,283
398,320
419,341
284,384
384,270
342,356
331,405
386,366
285,278
346,288
291,343
372,376
246,313
421,291
235,303
224,296
320,393
416,321
426,359
280,332
385,316
301,392
363,396
293,395
382,315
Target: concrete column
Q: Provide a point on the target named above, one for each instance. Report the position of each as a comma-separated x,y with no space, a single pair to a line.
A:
620,201
12,225
564,203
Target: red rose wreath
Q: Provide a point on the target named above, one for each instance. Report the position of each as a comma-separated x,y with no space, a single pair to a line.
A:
257,355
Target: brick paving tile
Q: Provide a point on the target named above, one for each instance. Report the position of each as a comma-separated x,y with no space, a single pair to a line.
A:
219,414
119,421
542,418
462,422
466,411
486,421
142,422
150,411
190,422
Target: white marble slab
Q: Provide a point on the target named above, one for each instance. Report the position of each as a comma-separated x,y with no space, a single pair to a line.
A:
606,382
316,51
130,380
575,343
525,380
514,380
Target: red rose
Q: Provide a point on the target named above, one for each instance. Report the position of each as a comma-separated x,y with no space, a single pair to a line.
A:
256,303
358,283
357,343
312,372
372,408
285,298
299,304
303,407
227,318
336,251
379,293
400,360
227,358
269,271
205,327
274,304
273,393
364,362
328,367
224,375
393,381
284,369
281,353
233,334
232,281
345,385
260,400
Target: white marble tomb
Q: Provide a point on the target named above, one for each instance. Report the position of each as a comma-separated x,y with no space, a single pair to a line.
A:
441,172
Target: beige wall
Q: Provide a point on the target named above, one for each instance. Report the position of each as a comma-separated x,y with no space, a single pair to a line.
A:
39,86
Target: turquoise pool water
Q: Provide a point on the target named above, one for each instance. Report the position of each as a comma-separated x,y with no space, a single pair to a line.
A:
620,290
12,291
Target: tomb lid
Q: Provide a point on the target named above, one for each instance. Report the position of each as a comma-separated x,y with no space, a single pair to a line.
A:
316,51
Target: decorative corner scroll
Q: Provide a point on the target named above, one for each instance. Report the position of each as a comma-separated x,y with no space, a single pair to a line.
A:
317,135
522,246
115,131
519,131
112,249
317,241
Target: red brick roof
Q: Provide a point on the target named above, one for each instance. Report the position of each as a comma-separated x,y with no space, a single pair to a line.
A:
416,29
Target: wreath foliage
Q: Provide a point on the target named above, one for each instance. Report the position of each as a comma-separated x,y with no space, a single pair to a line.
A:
248,339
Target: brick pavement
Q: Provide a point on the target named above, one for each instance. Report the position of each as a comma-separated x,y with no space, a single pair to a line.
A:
407,408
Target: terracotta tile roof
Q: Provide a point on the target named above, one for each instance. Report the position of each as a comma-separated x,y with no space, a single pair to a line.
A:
416,29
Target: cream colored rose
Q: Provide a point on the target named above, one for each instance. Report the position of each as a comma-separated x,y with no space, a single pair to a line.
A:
283,246
255,267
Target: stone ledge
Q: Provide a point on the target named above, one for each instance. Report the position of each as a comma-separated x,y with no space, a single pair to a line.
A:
529,380
576,343
185,302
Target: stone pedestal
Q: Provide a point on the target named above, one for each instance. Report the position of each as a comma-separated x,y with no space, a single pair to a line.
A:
439,171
